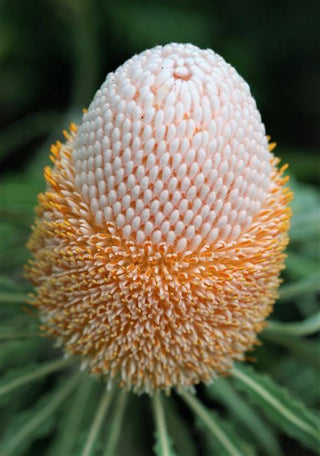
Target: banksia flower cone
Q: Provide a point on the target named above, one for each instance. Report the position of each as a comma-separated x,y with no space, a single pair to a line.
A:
159,240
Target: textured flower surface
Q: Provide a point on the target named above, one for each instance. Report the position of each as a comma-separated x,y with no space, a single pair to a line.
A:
159,240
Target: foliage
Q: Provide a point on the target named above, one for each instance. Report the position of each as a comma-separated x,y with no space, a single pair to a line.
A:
283,409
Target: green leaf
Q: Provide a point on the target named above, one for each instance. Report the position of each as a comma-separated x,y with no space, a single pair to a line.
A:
37,421
19,377
163,444
13,298
18,198
215,446
6,334
9,285
242,412
307,350
222,437
305,222
159,449
13,252
288,413
70,425
299,266
307,305
134,442
115,424
178,429
301,379
91,440
311,284
302,328
14,353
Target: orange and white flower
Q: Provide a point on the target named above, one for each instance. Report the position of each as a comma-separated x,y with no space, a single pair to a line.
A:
160,238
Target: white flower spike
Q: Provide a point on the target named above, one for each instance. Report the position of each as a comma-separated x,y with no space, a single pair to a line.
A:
160,238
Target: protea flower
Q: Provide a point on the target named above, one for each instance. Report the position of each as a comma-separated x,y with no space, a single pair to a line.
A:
159,240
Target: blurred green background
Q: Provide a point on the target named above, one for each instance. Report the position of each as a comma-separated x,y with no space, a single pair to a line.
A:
54,55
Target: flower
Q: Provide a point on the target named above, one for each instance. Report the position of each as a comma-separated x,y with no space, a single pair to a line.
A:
159,240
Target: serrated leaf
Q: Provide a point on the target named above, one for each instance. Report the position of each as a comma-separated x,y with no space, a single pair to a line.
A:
215,446
159,449
162,448
20,421
69,426
9,378
221,436
287,412
163,443
301,379
91,441
37,421
242,412
20,377
115,426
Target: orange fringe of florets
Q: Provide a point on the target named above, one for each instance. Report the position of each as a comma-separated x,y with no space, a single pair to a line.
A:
143,315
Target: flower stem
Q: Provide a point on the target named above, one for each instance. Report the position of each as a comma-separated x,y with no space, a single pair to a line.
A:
160,421
211,425
116,422
97,422
46,369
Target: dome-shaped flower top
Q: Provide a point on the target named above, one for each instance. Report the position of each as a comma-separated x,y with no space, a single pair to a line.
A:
160,238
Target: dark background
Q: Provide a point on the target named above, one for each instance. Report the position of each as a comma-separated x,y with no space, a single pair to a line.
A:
54,54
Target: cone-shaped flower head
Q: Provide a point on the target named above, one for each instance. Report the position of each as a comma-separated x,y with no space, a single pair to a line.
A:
159,241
